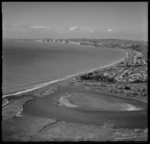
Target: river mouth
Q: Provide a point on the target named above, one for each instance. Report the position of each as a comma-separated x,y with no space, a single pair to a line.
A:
76,105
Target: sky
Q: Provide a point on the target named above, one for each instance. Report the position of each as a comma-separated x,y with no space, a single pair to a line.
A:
122,20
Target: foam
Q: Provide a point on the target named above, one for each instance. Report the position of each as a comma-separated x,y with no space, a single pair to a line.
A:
33,88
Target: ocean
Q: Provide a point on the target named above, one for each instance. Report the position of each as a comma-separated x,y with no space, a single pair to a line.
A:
27,64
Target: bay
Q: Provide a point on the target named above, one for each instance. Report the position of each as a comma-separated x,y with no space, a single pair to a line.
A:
28,63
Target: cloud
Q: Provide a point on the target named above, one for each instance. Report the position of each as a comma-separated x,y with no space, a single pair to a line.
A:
81,29
109,30
39,27
73,28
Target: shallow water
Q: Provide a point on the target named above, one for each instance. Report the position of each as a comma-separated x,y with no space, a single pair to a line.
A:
26,64
47,107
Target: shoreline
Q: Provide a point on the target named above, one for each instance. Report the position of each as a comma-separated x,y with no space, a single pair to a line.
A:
6,102
61,79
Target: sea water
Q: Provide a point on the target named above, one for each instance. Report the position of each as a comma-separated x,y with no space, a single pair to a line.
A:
26,64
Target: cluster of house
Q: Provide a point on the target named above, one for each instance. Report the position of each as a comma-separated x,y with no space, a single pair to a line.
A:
135,71
49,40
56,40
98,42
138,61
133,75
78,42
121,43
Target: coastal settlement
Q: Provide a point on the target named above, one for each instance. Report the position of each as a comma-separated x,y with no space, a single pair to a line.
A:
128,78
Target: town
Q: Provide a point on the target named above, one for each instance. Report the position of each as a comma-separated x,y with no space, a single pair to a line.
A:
134,69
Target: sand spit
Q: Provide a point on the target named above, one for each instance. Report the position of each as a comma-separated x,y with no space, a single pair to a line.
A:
4,102
64,101
132,108
129,107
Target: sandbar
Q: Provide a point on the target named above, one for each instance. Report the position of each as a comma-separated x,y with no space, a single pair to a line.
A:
94,102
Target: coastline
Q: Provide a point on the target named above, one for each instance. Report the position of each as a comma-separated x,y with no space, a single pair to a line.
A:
62,79
23,126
